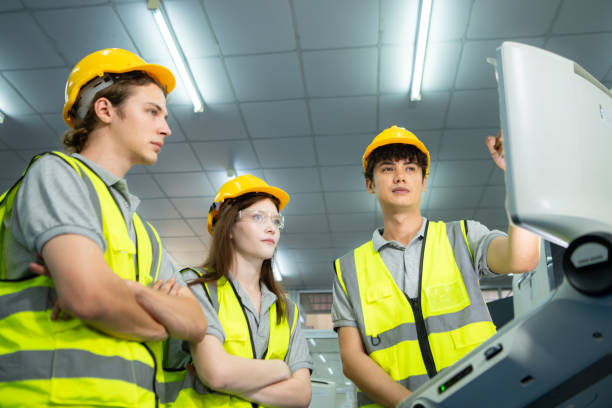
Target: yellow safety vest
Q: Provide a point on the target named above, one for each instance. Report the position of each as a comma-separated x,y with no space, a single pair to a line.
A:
413,339
45,362
238,336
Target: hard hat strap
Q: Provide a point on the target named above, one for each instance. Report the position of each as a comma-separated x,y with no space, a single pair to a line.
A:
88,93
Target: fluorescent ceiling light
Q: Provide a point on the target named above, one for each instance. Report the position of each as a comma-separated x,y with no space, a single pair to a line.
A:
418,63
312,342
179,59
322,357
330,370
1,117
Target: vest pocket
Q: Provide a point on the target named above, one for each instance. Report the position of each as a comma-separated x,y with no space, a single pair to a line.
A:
472,335
446,298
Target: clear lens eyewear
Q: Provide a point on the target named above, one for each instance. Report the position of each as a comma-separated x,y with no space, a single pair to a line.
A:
259,217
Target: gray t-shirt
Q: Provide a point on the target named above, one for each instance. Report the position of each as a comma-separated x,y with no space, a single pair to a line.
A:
54,200
403,264
298,355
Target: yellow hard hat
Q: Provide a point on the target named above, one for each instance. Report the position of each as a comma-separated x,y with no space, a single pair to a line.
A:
243,185
392,135
112,61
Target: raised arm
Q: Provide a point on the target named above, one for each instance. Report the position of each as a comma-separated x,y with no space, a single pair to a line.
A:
368,376
89,290
232,374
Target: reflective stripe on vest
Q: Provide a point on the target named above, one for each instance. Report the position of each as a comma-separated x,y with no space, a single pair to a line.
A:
238,336
450,310
66,362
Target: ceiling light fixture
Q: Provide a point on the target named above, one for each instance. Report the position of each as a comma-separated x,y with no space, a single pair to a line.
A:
322,357
1,117
177,54
330,370
418,62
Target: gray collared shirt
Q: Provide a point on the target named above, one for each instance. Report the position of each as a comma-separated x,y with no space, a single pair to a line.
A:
403,264
54,200
298,355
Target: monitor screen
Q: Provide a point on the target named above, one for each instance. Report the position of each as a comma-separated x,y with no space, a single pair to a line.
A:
557,124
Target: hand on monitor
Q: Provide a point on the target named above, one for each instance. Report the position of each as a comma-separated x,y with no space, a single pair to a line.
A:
496,148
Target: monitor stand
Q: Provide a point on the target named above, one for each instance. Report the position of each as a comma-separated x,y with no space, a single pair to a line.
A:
559,354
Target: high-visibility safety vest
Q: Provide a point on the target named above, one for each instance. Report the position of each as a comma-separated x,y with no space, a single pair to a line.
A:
67,363
413,339
238,337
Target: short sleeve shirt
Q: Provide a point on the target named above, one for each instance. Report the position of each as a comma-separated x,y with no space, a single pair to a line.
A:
298,355
54,200
403,262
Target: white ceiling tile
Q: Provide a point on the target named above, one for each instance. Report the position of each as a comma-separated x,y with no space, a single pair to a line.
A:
342,72
352,239
579,16
11,5
172,228
193,207
501,18
399,21
177,133
212,80
344,115
187,259
11,103
24,45
492,218
305,240
56,122
343,178
11,165
176,157
449,215
141,26
236,154
60,3
331,24
445,198
265,77
185,244
185,184
474,71
449,19
462,173
217,122
218,178
307,223
43,89
6,183
441,66
589,51
252,27
157,209
199,226
191,28
294,180
143,186
28,132
338,150
473,109
138,169
426,114
291,152
310,255
494,196
349,202
465,144
352,222
276,119
431,139
305,203
97,28
396,68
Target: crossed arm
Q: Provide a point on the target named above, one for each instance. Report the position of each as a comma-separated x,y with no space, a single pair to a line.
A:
89,290
267,382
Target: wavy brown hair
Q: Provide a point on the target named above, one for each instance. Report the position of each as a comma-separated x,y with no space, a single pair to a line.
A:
74,140
221,253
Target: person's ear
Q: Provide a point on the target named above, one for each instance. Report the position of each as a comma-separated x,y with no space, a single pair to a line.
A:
370,186
104,109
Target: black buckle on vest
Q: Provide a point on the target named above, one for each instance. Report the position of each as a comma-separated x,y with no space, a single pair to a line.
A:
375,341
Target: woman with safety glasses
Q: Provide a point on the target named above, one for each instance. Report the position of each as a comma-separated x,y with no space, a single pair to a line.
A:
254,350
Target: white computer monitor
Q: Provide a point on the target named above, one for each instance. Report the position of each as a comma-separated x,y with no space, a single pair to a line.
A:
557,124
